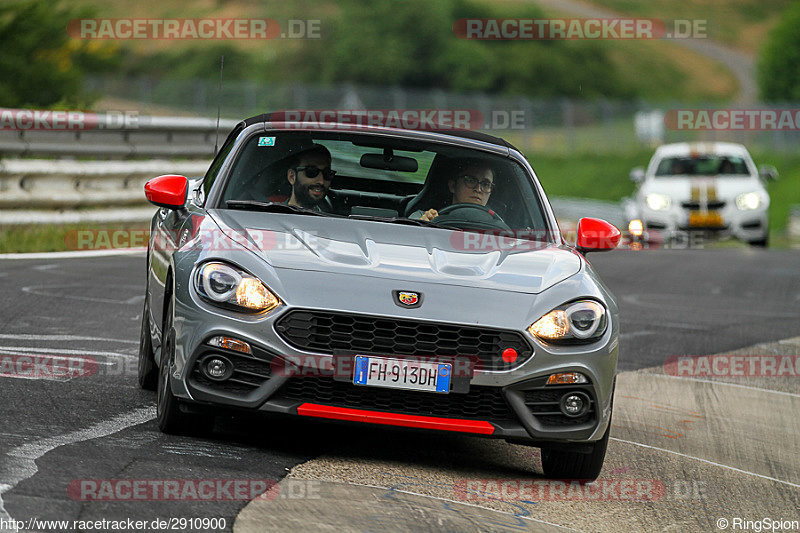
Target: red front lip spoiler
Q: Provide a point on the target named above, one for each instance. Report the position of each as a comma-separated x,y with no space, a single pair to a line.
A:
396,419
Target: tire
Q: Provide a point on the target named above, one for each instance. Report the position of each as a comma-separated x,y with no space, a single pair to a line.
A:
565,464
147,371
561,464
169,416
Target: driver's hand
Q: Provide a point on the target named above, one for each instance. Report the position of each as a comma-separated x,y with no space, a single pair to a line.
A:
429,215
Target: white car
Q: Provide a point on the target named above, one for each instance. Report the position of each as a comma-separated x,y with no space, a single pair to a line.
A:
713,189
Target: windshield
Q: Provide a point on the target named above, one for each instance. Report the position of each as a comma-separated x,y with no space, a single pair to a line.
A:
702,166
383,178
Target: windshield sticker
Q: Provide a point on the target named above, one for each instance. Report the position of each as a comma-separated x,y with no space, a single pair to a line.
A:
266,141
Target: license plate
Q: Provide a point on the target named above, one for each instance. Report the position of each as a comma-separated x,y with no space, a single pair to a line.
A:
705,220
402,374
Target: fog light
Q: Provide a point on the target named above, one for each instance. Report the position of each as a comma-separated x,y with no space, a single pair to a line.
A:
574,404
566,378
218,368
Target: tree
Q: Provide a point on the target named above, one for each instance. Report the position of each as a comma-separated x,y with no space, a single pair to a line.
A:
41,66
779,63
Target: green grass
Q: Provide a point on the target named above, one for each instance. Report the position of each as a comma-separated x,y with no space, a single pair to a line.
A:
49,238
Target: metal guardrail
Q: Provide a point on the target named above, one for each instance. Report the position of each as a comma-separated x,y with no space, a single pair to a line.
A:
125,152
116,136
28,183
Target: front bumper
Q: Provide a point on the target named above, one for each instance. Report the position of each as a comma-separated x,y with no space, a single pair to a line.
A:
523,411
504,400
749,225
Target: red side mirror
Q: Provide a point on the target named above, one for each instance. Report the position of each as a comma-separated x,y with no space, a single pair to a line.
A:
595,235
167,191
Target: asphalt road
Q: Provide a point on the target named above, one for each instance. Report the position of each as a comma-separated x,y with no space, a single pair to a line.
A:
57,431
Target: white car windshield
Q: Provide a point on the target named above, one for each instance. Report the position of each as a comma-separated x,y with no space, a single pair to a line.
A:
705,165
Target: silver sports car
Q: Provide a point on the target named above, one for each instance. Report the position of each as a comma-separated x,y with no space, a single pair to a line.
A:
382,276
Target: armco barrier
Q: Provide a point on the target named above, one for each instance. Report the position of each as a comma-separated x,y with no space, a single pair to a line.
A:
26,183
113,135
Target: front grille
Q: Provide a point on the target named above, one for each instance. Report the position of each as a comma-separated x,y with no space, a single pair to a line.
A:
544,405
327,332
480,403
656,225
248,373
695,205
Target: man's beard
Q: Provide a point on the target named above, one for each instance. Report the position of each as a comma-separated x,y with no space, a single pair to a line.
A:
303,196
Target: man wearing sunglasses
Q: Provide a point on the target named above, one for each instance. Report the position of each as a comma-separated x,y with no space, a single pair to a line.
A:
472,183
310,176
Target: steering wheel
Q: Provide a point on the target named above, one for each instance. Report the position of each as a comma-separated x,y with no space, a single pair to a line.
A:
470,216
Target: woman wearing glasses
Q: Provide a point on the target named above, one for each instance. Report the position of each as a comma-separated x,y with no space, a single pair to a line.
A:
472,183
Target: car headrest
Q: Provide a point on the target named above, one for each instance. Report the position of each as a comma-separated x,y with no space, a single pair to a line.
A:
435,194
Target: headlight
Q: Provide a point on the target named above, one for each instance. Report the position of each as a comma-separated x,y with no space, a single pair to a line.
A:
658,202
231,287
748,200
576,322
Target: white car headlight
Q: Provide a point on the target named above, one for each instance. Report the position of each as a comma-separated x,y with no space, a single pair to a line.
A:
748,200
229,286
576,322
658,202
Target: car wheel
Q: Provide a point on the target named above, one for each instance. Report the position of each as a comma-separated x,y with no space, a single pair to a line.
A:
562,464
148,373
169,416
565,464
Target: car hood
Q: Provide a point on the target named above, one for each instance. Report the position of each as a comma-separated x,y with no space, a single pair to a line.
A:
398,252
697,187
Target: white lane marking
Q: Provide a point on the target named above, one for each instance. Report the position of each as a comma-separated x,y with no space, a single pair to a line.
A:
74,254
42,290
635,299
728,383
36,337
681,325
33,351
20,463
65,351
762,476
45,267
635,334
